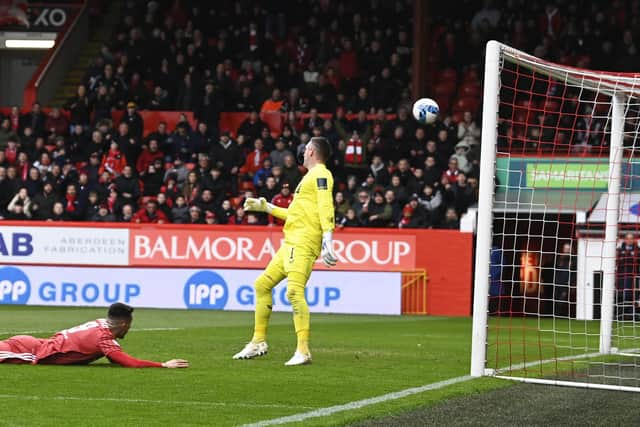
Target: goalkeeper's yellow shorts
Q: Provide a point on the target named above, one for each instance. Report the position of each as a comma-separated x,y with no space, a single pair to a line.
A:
290,259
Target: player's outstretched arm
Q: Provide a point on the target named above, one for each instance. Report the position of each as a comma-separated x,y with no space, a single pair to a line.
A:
127,361
261,205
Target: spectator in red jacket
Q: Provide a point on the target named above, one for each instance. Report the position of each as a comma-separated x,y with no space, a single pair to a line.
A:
150,214
254,159
72,203
550,23
14,118
210,218
148,156
56,123
113,162
451,174
11,152
283,199
348,62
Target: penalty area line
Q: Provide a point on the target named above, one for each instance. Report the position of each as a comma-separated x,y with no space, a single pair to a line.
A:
150,401
323,412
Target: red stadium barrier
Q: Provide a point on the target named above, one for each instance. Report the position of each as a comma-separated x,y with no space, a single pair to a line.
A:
153,118
231,121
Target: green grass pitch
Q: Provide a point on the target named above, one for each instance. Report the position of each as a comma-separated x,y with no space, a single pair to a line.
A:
355,357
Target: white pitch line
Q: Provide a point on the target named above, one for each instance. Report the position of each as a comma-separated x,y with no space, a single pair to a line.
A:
147,401
48,331
323,412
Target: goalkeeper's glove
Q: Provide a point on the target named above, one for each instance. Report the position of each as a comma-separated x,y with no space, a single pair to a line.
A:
257,205
328,255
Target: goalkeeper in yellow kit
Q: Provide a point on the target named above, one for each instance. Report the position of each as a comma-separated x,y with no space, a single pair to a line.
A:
308,232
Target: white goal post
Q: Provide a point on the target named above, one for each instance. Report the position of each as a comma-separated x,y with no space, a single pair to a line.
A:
557,169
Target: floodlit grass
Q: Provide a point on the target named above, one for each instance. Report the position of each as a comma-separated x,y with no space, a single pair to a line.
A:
355,357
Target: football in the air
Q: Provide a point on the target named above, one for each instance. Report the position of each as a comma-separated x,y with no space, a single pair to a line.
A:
425,110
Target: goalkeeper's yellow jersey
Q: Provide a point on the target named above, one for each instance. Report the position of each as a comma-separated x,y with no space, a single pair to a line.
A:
311,212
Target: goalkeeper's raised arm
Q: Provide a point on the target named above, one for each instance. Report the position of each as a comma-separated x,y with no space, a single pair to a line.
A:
261,205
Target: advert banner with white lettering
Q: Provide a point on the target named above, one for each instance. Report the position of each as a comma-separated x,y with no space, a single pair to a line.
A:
64,245
335,292
242,249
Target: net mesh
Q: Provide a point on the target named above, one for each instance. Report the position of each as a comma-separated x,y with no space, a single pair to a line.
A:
546,274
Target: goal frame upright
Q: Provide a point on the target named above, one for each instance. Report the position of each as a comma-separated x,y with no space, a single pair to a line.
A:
489,139
612,84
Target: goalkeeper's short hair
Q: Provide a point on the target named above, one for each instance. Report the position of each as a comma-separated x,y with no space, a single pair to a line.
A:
322,147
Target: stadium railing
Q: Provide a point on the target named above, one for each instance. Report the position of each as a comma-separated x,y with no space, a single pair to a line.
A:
414,292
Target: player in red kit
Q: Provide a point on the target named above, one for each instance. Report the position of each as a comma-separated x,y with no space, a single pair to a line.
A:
82,344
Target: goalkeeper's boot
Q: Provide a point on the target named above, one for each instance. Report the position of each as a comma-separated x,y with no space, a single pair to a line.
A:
299,359
251,350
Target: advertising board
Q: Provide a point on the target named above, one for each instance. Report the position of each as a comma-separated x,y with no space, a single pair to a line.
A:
208,289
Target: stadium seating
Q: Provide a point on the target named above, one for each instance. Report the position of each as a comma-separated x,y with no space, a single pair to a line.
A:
281,61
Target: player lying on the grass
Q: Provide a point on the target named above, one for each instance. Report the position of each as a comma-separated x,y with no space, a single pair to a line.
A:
82,344
308,229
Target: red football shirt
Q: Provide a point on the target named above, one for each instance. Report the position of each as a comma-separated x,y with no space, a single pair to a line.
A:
78,345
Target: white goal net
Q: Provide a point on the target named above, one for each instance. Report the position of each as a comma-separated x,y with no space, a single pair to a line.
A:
557,295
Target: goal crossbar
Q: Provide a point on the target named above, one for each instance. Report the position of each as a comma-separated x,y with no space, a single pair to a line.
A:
604,82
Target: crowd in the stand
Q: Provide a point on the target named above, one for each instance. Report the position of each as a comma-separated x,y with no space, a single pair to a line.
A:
304,59
338,69
56,170
541,115
246,55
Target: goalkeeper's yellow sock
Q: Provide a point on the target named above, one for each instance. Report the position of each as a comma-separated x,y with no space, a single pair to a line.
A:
301,318
264,303
303,341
